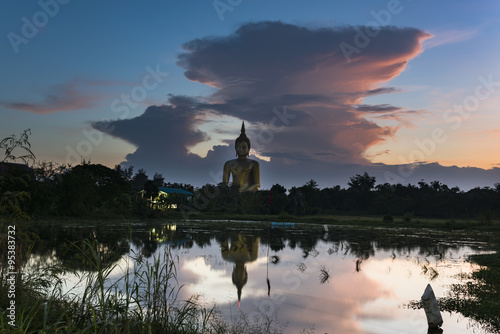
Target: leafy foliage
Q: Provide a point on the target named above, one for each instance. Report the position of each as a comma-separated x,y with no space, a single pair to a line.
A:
363,182
11,143
87,188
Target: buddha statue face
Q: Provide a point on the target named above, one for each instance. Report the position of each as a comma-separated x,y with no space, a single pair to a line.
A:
242,149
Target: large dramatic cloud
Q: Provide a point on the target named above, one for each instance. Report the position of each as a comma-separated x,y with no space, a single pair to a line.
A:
301,98
271,64
162,135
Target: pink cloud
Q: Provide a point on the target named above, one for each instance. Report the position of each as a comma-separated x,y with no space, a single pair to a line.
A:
450,36
62,97
264,61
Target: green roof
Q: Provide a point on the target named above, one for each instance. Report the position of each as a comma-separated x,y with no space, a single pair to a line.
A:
175,191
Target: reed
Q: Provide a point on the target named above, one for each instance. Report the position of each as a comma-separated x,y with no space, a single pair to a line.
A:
143,299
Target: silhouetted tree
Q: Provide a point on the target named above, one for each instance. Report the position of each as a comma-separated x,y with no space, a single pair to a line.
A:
312,184
278,189
150,189
363,182
90,187
46,191
279,199
297,204
16,180
126,173
139,180
158,180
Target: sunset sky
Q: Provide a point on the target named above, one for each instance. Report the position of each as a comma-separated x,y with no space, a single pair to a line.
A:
404,90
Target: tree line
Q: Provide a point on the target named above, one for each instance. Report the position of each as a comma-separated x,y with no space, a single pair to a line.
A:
53,189
59,190
363,197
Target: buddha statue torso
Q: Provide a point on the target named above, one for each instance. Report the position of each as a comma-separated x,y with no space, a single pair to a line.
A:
245,172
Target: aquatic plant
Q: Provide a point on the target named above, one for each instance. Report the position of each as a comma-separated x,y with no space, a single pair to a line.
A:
144,299
324,275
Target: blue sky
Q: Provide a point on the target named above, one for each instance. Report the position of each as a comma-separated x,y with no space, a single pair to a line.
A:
72,71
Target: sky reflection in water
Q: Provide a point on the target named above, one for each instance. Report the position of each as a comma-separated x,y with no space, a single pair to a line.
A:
364,293
349,280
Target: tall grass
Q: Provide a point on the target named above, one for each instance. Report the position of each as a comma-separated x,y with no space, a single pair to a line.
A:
144,299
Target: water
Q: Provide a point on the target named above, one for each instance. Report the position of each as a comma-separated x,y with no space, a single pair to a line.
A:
330,279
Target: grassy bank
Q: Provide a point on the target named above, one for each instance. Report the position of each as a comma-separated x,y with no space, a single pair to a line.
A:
353,220
479,297
373,221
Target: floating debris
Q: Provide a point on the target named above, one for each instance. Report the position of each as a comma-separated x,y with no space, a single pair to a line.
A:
324,275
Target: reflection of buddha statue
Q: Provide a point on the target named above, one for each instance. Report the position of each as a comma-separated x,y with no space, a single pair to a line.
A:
241,251
245,172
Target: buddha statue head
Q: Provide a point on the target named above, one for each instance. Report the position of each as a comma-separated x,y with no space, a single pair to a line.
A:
242,144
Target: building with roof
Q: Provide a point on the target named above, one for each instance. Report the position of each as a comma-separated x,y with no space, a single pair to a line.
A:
168,191
169,198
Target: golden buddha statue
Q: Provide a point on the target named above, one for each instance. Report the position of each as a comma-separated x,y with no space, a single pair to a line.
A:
245,172
241,251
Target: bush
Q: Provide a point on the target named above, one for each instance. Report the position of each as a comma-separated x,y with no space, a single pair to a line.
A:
407,217
486,217
388,219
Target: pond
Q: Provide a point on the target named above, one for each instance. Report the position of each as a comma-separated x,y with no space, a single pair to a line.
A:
306,278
